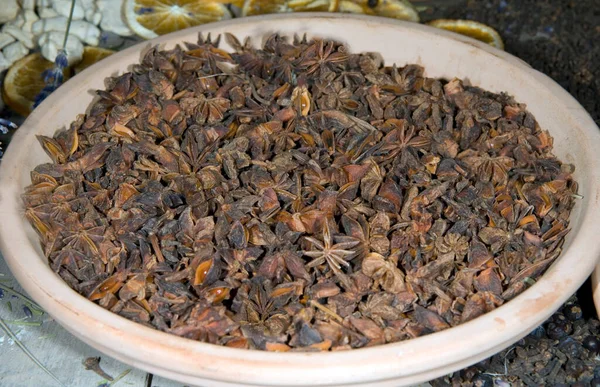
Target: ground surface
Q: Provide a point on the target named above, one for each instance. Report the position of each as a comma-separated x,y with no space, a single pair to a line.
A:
557,37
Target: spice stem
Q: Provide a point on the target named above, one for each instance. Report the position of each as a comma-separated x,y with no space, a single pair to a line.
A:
23,323
7,330
211,76
22,297
326,310
121,376
69,20
505,365
93,364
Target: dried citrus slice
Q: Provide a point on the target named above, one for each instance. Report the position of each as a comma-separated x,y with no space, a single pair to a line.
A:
472,29
24,80
397,9
261,7
91,55
235,6
237,3
151,18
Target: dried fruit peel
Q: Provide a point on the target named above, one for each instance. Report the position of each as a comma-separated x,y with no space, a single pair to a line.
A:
151,18
24,81
396,9
91,55
472,29
261,7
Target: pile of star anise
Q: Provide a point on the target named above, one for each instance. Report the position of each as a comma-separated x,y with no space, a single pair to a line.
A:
298,197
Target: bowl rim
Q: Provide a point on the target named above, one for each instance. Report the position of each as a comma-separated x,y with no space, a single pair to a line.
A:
596,289
148,348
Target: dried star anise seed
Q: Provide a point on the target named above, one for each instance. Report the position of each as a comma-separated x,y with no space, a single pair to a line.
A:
298,197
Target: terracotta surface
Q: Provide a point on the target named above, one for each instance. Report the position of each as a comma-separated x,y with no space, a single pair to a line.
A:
596,288
443,54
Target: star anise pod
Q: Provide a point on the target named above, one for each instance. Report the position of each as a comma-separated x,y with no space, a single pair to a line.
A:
321,55
335,255
490,168
401,138
263,301
336,96
453,243
298,197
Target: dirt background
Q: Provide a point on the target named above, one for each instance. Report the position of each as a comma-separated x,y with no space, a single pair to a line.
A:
560,38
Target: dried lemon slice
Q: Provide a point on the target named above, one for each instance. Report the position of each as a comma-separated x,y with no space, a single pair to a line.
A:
397,9
24,81
235,6
261,7
237,3
151,18
472,29
91,55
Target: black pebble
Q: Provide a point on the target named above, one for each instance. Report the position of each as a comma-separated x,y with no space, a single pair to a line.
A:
469,373
483,381
570,347
574,367
573,312
27,312
591,343
555,331
539,332
561,320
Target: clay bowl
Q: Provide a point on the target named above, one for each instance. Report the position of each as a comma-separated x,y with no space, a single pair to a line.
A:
596,288
443,54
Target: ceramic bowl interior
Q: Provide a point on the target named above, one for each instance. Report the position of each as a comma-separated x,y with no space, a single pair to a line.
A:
443,54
